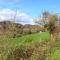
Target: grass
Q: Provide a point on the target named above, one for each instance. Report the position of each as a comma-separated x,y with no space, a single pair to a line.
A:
7,44
56,51
28,38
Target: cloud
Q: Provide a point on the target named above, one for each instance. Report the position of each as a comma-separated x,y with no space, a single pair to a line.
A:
19,17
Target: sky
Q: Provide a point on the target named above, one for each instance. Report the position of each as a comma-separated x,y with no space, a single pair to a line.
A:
27,9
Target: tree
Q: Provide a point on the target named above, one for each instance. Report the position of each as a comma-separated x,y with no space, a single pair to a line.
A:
49,23
45,17
52,23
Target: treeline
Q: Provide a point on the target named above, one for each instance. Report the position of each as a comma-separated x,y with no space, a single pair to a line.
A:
15,29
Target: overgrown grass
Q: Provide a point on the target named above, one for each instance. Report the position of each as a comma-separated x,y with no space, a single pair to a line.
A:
55,55
34,46
8,44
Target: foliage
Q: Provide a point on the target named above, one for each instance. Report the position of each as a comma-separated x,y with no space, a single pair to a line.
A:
48,20
52,23
12,29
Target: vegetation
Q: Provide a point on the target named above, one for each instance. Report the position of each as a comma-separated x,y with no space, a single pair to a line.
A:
8,45
50,24
14,29
29,42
